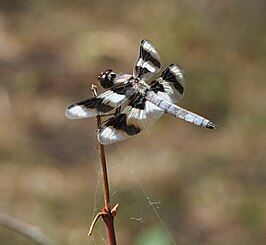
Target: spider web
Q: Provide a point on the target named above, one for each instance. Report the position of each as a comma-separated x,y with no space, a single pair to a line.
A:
147,208
153,204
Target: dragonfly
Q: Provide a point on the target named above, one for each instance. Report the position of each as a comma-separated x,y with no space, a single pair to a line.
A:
132,103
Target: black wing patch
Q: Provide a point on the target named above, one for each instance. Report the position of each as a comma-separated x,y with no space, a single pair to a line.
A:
119,122
148,63
101,104
171,84
134,118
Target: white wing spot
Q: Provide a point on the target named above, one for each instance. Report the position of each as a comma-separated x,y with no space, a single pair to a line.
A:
77,112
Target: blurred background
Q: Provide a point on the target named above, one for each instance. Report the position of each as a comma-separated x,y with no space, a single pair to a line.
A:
176,183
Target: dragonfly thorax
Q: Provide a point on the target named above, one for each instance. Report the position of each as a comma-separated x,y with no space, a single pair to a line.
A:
140,86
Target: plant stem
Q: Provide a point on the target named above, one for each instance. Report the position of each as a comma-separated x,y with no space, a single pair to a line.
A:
26,230
107,214
104,172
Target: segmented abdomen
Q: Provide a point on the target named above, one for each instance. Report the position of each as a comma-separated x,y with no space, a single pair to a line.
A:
179,112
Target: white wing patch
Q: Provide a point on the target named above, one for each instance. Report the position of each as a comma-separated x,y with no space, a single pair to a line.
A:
79,112
110,135
131,121
143,118
148,62
112,98
170,85
99,105
147,65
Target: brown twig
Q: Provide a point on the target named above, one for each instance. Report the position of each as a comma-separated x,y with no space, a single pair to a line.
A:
25,229
107,214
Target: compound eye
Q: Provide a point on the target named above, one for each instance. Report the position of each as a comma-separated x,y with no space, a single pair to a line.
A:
100,76
106,78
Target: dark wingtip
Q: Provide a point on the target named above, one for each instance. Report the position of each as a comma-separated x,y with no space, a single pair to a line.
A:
211,125
71,106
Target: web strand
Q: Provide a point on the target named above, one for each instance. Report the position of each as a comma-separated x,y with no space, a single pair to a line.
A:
152,206
150,203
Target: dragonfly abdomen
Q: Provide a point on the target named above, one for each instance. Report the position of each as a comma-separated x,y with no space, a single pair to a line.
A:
179,112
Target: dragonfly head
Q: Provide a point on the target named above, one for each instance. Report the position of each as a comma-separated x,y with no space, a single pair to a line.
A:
107,78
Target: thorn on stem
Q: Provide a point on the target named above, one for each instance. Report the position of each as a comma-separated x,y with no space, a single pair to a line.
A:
114,210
